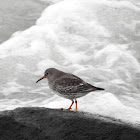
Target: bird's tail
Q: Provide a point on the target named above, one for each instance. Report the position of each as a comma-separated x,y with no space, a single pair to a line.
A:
97,88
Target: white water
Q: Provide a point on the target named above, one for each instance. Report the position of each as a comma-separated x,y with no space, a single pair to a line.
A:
96,40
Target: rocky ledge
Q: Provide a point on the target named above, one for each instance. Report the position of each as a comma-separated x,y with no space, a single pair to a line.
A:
54,124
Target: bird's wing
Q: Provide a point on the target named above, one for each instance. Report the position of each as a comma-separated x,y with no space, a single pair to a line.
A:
72,85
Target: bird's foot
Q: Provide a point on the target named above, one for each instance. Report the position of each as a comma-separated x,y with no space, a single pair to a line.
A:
66,109
69,108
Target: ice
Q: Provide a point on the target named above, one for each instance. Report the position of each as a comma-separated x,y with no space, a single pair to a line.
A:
96,40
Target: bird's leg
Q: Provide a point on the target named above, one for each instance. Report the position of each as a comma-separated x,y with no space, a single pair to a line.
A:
71,105
76,104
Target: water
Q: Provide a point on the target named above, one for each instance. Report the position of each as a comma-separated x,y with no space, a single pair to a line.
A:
96,40
17,15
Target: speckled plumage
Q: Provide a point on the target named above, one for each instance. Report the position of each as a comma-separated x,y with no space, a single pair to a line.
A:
72,87
67,85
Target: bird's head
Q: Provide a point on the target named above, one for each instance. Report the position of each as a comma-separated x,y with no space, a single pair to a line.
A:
49,74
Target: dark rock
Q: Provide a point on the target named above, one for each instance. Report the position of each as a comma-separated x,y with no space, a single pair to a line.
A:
53,124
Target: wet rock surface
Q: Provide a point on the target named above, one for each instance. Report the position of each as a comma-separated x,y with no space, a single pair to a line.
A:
54,124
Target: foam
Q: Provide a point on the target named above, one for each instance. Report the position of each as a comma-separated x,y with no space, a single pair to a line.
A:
106,104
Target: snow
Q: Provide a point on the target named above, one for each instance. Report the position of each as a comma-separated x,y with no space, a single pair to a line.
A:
95,40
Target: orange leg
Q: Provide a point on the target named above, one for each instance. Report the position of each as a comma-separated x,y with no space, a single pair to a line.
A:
76,104
71,105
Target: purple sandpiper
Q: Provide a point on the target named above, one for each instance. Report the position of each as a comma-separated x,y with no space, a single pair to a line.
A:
67,85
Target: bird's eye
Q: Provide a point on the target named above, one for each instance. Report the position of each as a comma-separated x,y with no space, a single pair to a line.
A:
46,73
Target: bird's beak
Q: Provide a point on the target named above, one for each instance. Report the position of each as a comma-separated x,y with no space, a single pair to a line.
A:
40,78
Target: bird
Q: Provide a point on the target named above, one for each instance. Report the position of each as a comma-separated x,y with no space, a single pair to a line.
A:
67,85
